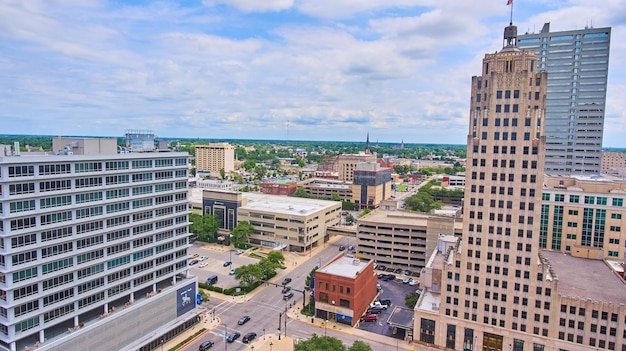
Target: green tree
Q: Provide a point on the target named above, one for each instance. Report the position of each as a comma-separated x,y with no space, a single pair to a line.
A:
422,202
349,219
320,343
268,269
359,345
300,192
222,173
411,300
276,258
204,227
239,235
309,278
248,274
335,197
365,212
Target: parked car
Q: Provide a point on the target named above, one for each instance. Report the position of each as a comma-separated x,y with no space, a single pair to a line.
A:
378,287
206,345
389,277
384,301
341,248
398,271
375,310
286,289
203,264
382,268
287,295
407,272
286,281
414,282
233,336
192,262
243,320
238,252
249,337
202,258
232,271
379,304
381,275
227,263
370,317
407,280
194,255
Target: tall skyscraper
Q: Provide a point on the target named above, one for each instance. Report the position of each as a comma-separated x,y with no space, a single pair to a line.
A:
93,251
495,289
577,62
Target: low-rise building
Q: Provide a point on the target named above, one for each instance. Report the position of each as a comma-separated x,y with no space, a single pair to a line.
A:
343,289
402,239
285,187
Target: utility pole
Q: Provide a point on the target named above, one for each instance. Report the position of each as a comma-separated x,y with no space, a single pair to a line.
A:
280,316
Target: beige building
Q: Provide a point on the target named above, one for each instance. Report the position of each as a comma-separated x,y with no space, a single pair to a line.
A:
584,216
402,239
347,164
215,156
495,289
613,163
326,188
291,223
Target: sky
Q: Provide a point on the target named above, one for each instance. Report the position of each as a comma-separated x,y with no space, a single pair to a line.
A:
399,70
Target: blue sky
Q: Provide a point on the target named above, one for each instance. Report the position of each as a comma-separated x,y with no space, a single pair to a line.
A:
270,69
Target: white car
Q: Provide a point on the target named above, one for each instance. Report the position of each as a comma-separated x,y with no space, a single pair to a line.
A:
202,265
414,282
379,305
202,258
407,280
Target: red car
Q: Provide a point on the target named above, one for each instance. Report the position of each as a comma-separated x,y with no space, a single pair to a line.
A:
370,317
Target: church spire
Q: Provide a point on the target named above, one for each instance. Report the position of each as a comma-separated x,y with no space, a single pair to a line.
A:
367,144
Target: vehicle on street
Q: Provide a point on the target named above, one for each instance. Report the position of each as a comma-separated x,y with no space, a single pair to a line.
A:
192,262
370,317
286,289
233,336
248,337
345,213
202,258
202,265
227,263
418,291
206,345
407,280
287,295
414,282
342,248
232,271
286,281
194,255
243,320
379,304
238,252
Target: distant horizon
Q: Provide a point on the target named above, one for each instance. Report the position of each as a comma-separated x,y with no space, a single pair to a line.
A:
274,69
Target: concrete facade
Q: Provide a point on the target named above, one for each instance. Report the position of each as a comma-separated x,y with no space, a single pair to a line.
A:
215,156
577,62
346,164
86,236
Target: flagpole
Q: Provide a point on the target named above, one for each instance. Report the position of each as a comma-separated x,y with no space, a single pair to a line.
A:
511,22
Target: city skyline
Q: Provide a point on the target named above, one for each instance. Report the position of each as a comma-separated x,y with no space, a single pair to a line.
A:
268,70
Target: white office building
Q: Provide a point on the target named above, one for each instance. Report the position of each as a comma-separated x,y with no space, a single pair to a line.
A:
577,62
93,251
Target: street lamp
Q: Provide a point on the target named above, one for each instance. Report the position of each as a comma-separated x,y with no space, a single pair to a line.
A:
162,342
325,325
252,347
271,344
263,333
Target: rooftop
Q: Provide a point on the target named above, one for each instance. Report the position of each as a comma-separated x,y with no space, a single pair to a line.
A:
406,218
345,267
586,278
286,204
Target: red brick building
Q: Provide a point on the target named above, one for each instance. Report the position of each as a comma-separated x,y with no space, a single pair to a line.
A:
344,288
276,188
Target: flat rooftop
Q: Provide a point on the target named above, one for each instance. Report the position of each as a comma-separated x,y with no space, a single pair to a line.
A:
288,205
586,278
344,267
405,218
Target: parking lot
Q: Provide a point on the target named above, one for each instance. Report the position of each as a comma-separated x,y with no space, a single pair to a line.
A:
396,291
216,256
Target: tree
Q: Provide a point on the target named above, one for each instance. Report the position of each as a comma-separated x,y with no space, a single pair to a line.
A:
309,279
411,300
239,235
359,345
365,212
276,258
320,343
422,202
248,274
268,269
222,173
205,226
300,192
349,219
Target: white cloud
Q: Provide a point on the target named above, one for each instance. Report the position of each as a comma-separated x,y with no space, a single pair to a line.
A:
253,5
